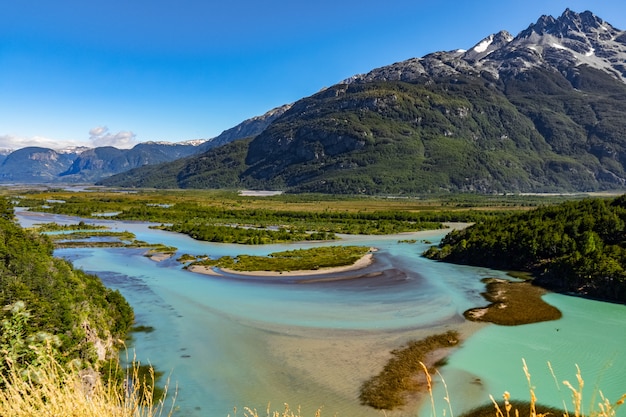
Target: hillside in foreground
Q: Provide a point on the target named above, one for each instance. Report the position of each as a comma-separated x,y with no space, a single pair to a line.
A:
47,301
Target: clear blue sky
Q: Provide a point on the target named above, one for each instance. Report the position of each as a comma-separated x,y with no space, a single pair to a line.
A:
117,72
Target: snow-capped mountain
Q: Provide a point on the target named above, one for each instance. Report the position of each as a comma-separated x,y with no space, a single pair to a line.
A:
561,44
538,112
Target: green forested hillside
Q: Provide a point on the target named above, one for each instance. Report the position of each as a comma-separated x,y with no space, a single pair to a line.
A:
575,247
60,301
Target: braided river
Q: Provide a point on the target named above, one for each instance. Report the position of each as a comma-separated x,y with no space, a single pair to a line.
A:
229,342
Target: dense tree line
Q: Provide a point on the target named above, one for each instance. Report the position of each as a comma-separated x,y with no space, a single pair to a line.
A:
575,247
46,295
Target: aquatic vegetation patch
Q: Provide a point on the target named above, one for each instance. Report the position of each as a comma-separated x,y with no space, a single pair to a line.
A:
400,376
513,303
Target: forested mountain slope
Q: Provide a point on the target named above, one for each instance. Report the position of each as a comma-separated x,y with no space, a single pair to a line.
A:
533,113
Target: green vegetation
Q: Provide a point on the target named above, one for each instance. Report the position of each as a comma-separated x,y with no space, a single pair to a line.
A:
60,300
93,237
543,132
61,330
388,389
292,260
574,247
245,235
221,216
126,236
513,303
53,314
55,227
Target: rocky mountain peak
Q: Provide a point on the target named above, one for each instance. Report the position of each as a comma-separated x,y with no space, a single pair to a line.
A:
570,24
572,40
556,44
537,112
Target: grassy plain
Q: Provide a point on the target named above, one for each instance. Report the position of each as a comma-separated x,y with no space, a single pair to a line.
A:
297,213
112,200
231,217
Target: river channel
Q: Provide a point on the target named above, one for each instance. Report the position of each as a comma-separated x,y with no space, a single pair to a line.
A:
229,342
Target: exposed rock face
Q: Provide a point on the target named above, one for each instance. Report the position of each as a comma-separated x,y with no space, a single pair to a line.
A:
103,348
551,57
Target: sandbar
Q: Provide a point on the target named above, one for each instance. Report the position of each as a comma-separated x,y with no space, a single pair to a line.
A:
159,256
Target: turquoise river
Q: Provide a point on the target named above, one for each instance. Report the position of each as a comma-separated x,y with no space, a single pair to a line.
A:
231,342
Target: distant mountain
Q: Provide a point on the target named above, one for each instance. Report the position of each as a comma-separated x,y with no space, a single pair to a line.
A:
94,164
34,164
540,111
85,165
3,154
43,165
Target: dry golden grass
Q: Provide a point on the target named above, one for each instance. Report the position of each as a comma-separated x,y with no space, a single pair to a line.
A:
286,412
55,391
52,390
605,408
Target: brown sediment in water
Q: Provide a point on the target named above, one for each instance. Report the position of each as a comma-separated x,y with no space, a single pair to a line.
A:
513,303
339,362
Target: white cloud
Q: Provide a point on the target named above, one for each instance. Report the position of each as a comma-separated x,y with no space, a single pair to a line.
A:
100,136
14,142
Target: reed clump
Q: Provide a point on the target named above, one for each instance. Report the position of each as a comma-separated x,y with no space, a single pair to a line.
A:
51,389
510,408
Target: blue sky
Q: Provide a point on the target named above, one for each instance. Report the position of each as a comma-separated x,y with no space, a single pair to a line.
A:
112,72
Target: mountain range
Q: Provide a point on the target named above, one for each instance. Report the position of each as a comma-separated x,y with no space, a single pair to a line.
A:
538,112
88,165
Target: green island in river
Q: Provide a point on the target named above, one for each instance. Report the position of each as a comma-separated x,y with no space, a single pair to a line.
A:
316,260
